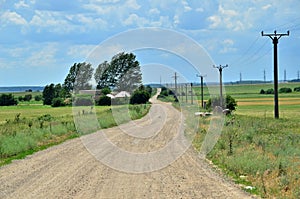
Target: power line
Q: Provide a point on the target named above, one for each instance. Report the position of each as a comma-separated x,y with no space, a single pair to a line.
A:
275,38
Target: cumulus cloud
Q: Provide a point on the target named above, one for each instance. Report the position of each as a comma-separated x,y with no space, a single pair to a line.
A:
21,4
266,7
9,17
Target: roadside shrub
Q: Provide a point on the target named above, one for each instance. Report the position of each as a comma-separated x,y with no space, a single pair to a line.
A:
139,97
230,103
83,102
297,89
285,90
38,98
27,97
262,91
57,102
270,91
20,98
7,100
104,101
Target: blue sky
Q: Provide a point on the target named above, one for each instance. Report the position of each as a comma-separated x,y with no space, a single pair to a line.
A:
41,39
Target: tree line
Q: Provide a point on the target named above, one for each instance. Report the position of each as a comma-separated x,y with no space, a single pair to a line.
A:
122,73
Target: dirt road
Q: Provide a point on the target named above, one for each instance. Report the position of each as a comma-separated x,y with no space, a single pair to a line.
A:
69,170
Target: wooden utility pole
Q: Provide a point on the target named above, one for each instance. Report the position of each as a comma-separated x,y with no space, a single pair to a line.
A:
220,68
284,75
186,93
175,78
240,77
192,93
275,38
202,94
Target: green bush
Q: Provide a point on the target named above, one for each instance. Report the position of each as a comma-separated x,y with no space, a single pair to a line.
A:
297,89
230,103
285,90
139,97
57,102
105,91
104,101
262,91
27,97
270,91
38,98
7,100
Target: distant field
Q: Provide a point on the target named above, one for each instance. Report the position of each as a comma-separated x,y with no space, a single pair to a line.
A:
250,102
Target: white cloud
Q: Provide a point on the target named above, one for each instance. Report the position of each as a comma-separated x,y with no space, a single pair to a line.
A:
199,10
132,4
154,11
229,19
266,7
134,19
176,20
41,57
80,51
227,12
186,6
228,42
216,21
21,4
9,17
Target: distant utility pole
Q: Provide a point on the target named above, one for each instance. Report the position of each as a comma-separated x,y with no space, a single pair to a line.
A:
265,76
160,80
175,78
240,77
284,75
298,75
186,93
202,94
220,68
192,93
275,38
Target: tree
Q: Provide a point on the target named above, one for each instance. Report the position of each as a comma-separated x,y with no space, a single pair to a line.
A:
7,100
99,70
123,73
48,94
141,95
79,77
57,102
27,97
53,91
105,91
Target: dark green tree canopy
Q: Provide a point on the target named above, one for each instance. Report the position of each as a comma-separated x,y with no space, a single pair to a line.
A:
79,77
123,73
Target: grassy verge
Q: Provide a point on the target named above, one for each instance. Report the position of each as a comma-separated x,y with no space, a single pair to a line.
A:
27,129
262,153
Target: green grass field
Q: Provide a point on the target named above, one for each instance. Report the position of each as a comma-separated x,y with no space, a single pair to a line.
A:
254,148
31,126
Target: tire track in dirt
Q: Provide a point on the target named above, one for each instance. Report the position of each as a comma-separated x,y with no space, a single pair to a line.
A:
68,170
